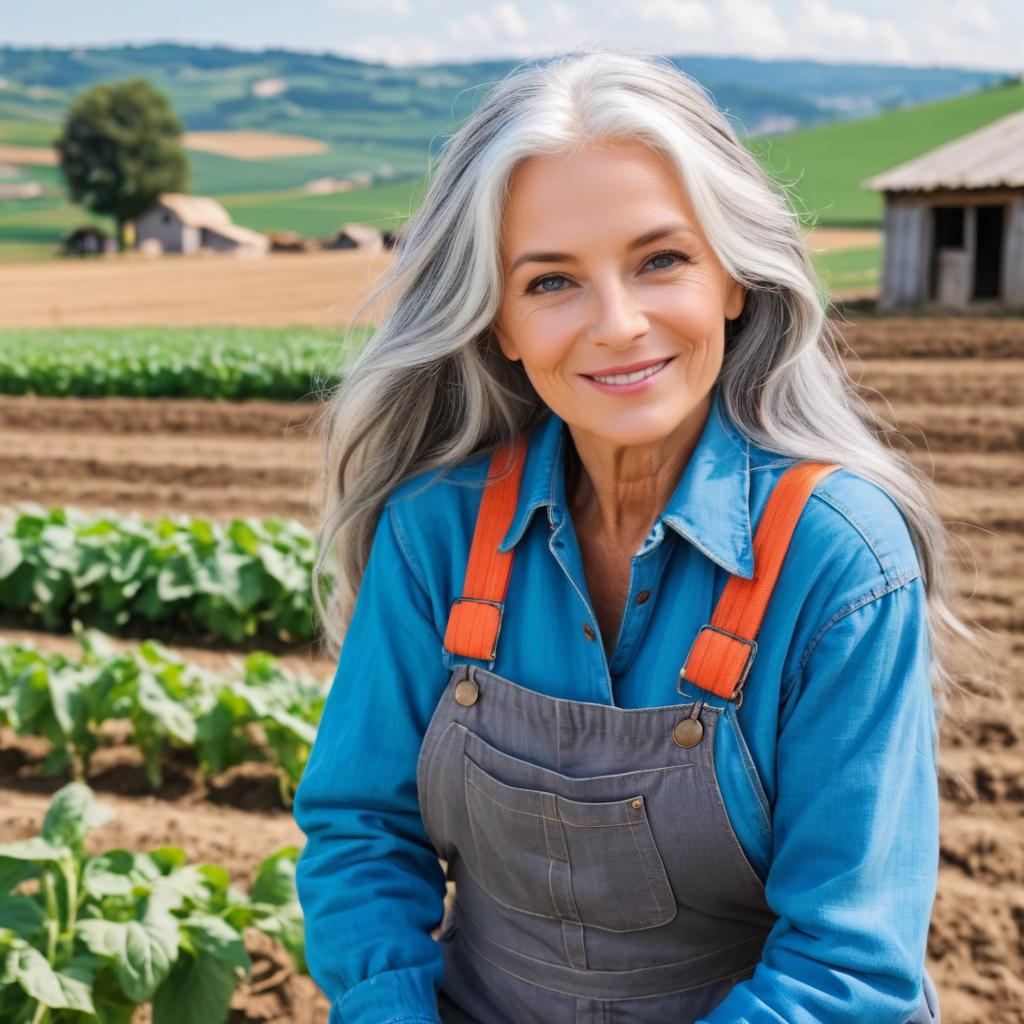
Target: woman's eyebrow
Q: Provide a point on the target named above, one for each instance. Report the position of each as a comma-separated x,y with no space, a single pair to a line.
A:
561,257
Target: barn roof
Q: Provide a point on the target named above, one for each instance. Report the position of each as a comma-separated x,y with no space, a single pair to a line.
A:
236,233
195,211
991,157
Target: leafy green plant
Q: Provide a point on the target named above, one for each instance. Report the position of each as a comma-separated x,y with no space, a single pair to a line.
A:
266,714
249,578
217,362
90,938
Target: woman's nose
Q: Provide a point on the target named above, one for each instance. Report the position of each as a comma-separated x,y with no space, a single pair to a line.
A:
617,317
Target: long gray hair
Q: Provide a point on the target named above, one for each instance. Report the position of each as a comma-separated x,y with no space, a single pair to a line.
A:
432,388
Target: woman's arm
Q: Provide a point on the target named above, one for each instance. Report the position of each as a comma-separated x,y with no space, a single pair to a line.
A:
856,822
368,879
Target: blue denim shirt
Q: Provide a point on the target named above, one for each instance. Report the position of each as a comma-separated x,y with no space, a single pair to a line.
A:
827,769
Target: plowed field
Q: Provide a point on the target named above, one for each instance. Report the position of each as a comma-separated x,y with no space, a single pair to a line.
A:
954,388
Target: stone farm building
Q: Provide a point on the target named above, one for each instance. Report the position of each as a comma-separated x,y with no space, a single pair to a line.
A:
954,222
177,222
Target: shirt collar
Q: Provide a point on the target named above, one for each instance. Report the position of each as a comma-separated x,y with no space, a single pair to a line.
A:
710,506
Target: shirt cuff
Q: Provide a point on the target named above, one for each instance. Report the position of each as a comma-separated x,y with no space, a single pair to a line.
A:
405,996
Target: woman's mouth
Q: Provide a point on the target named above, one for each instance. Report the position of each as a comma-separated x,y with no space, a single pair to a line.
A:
629,383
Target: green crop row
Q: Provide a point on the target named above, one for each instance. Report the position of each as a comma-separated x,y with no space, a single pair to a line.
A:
282,364
266,715
86,940
248,579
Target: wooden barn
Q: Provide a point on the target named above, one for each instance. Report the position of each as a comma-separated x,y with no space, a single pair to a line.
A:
954,223
178,222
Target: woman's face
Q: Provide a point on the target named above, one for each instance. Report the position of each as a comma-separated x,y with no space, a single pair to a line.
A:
588,288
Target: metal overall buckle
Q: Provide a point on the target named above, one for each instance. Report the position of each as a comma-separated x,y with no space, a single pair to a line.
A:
737,693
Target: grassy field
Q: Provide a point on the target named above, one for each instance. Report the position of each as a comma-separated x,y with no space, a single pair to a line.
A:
826,165
850,268
822,169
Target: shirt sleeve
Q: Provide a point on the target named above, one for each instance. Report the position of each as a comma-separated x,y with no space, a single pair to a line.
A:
368,879
856,822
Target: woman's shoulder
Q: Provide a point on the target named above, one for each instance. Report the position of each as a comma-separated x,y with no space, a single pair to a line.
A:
434,512
436,490
851,533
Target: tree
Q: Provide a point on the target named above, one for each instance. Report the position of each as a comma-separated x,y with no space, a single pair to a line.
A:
120,148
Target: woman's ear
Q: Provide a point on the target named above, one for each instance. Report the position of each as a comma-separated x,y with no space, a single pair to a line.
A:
507,348
735,300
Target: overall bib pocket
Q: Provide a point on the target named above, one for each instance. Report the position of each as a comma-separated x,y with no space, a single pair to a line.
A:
593,862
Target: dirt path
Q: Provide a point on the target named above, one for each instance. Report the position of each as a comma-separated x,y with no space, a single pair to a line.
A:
320,288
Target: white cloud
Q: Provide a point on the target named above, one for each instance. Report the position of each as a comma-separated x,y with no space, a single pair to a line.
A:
473,28
963,33
754,26
400,7
819,21
510,21
831,33
498,25
562,15
396,50
684,15
971,16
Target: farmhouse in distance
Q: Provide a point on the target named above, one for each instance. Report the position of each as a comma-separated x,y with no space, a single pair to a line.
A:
954,222
177,222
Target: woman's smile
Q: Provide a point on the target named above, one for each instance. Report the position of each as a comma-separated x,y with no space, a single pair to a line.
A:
629,383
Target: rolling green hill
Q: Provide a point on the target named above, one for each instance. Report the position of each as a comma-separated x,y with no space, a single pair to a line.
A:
827,164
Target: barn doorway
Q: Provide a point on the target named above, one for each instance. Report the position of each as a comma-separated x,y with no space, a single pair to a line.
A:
948,234
988,251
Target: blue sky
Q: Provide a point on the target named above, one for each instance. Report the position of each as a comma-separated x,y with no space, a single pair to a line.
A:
961,33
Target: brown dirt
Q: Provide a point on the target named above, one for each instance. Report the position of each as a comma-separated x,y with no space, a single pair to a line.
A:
243,145
37,156
953,387
278,288
835,239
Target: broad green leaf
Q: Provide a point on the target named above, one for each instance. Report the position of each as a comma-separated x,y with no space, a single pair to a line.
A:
117,873
141,952
174,719
198,989
72,812
22,915
274,881
215,936
69,989
34,849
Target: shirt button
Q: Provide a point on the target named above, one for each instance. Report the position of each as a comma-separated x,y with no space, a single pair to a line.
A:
588,632
642,596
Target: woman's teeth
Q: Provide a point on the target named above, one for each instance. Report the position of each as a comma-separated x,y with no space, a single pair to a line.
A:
631,378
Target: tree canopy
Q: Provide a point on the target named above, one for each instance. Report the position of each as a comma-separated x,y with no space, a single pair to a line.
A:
121,146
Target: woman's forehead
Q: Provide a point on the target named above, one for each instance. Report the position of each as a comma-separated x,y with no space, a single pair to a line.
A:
591,192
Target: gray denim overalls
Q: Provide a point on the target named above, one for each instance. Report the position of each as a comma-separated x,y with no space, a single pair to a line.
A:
598,879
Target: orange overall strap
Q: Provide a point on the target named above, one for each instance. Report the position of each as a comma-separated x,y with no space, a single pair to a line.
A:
722,652
475,618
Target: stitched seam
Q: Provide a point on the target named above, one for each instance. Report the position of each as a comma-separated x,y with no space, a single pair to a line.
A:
643,866
402,539
851,517
892,583
751,770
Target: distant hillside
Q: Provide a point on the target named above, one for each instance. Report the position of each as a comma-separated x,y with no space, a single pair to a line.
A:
385,123
350,102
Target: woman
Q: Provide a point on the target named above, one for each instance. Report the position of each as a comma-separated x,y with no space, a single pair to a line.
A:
604,310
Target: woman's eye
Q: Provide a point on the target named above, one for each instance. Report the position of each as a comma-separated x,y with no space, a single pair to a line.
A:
536,287
662,255
532,287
